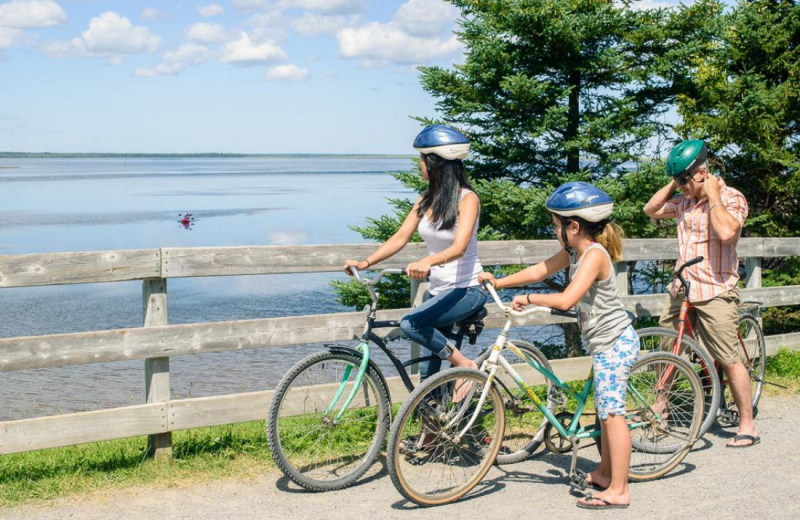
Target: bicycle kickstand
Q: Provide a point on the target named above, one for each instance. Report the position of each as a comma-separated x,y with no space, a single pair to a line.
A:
578,481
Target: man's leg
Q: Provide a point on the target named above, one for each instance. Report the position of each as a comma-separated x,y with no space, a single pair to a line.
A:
718,324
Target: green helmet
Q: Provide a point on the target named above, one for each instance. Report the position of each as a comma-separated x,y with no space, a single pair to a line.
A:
686,157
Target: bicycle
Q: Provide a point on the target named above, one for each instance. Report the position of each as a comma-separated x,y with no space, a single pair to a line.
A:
464,432
330,413
682,341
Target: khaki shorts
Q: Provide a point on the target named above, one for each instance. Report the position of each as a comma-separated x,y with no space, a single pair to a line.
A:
714,321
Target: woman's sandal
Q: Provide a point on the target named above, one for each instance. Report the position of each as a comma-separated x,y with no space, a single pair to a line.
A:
604,504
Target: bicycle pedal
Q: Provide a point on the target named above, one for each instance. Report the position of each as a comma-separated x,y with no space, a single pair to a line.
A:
578,481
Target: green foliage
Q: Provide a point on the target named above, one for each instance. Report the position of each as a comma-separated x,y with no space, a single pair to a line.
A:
780,320
744,96
550,87
786,363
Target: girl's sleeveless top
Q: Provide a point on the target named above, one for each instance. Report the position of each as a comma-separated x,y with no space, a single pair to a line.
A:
601,316
459,273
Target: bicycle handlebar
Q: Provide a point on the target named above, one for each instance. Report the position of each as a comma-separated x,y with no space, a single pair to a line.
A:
535,308
377,278
679,273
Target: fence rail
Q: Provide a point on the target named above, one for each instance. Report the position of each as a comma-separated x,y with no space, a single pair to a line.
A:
157,341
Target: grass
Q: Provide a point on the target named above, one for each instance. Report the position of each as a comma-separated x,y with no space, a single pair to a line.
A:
201,454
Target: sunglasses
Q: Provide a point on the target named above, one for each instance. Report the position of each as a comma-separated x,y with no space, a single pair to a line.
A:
683,179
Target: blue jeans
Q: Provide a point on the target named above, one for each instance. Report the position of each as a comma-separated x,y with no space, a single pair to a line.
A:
442,310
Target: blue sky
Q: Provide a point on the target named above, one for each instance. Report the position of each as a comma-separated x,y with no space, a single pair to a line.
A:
238,76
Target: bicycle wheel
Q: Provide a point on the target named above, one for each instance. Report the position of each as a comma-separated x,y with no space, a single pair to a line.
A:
658,339
430,463
323,449
664,408
753,354
525,423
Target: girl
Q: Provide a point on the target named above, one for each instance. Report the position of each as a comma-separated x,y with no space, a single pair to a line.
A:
591,244
446,216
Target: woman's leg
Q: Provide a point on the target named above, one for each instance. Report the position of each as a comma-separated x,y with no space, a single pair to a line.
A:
444,309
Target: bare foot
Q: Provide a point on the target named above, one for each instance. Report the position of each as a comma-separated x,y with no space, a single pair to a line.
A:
463,387
598,480
604,499
744,437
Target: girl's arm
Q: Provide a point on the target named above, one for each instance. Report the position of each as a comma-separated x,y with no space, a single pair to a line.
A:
392,246
468,210
594,267
533,274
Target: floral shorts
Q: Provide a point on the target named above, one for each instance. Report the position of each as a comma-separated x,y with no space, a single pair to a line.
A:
612,367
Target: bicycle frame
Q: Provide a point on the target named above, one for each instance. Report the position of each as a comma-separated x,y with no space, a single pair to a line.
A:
369,336
496,361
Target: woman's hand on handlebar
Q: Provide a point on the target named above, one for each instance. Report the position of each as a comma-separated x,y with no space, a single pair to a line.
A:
360,265
418,270
487,277
519,302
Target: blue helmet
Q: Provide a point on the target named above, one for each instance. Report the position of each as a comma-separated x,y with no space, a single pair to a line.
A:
580,199
444,141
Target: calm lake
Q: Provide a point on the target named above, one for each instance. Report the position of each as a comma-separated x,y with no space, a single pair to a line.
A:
60,205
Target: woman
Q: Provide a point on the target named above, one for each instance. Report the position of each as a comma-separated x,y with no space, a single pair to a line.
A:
446,217
592,244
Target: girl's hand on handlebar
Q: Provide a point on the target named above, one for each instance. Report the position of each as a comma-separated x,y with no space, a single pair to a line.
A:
355,263
418,270
487,277
519,302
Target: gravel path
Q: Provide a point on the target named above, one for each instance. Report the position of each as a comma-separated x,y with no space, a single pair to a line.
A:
713,482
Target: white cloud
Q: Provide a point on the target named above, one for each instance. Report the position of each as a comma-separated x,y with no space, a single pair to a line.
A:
8,37
245,53
31,13
325,6
149,14
248,5
205,33
328,74
207,11
287,72
109,36
426,17
388,42
269,25
111,33
313,24
174,62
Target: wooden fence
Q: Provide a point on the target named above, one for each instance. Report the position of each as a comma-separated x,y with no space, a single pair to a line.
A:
157,341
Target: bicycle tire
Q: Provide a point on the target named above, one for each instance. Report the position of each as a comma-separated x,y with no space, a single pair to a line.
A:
681,426
428,409
753,354
691,349
520,441
303,475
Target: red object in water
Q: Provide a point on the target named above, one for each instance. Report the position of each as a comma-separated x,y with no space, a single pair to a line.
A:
187,220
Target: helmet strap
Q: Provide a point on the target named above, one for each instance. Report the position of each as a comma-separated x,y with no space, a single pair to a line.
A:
564,223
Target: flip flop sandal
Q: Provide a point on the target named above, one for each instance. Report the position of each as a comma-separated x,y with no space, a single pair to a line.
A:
753,441
604,504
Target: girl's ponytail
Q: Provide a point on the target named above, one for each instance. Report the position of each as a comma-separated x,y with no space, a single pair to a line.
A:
610,237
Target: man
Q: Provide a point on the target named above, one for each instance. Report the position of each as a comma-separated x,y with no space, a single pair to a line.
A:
710,217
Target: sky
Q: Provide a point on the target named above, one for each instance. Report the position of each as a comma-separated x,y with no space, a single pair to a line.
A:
228,76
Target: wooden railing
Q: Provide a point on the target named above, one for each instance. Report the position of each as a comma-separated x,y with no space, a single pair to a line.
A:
157,341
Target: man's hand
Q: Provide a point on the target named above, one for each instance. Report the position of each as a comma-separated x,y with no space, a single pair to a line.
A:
711,188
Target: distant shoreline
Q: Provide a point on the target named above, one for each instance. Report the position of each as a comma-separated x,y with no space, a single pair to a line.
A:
7,167
47,155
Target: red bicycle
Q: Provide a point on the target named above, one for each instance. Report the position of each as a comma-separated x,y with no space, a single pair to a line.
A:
719,402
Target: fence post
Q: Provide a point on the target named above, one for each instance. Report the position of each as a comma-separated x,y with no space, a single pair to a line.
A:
622,277
418,291
156,370
753,281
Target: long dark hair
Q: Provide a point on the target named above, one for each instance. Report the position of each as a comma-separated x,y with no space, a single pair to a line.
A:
444,188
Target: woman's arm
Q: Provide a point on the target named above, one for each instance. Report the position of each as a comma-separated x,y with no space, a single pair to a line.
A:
593,267
392,246
468,210
533,274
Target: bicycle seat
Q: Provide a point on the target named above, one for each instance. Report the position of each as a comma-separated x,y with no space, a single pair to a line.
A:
474,318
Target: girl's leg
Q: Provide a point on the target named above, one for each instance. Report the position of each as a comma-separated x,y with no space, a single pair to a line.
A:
601,477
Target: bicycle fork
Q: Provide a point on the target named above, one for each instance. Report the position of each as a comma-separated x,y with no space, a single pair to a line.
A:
362,369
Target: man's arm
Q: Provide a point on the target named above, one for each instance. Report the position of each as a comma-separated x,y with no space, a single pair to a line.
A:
726,225
659,205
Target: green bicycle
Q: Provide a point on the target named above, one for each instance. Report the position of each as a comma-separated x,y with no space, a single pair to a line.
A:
450,429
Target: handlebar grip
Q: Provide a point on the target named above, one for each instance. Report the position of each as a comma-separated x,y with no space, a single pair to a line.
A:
565,314
404,272
692,262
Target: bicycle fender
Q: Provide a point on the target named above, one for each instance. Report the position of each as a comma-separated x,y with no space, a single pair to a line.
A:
348,350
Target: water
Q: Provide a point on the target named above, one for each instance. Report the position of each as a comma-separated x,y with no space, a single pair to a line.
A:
57,205
60,205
